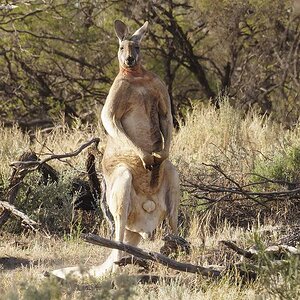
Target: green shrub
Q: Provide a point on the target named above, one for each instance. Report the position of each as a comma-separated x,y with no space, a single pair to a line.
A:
49,289
284,168
50,205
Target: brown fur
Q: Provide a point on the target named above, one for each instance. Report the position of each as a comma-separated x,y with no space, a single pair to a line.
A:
142,184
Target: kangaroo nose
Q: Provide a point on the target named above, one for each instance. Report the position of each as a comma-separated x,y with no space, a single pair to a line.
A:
130,60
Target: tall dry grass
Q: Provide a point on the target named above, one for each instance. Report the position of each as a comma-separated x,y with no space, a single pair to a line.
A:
229,137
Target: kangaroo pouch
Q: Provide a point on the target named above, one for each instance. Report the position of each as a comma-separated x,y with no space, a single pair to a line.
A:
144,182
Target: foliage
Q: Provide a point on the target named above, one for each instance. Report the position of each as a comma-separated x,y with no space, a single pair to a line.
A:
51,205
59,57
283,167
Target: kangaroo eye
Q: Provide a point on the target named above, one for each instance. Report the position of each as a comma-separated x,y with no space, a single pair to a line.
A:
122,48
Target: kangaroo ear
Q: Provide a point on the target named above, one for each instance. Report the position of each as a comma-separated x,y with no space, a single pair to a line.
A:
138,35
121,30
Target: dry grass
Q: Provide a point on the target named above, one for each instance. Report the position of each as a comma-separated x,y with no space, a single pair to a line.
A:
44,254
230,138
227,137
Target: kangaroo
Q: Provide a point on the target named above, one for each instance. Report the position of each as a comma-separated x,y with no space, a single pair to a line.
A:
142,184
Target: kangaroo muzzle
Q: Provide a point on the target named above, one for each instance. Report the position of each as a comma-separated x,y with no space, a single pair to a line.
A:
130,61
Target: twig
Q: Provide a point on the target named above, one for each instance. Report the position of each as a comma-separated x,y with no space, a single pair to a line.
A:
204,191
245,193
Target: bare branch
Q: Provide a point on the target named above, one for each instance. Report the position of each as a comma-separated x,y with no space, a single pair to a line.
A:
12,209
55,156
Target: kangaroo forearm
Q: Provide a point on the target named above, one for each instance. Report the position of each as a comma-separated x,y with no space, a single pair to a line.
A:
166,130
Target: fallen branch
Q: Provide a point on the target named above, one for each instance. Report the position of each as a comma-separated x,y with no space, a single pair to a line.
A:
153,256
276,252
25,219
15,181
292,239
148,279
239,250
174,244
245,275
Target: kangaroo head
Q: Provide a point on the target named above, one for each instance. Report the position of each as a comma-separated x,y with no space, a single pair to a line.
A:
129,47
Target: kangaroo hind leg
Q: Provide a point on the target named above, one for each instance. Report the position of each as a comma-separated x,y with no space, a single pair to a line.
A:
118,196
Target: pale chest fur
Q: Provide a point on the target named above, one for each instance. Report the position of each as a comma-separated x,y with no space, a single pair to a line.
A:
140,117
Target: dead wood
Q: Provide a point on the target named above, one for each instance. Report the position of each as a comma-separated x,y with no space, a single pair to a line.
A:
92,174
25,219
238,250
153,256
174,244
143,255
35,164
152,279
49,174
133,260
15,181
275,252
105,209
11,263
29,162
292,239
147,279
212,194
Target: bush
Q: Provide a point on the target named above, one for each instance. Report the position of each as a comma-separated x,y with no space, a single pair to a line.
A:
51,205
283,168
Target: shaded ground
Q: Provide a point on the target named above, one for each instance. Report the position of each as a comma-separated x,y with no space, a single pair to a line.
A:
10,263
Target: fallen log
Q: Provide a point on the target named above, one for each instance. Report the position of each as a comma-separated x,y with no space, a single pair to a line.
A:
133,260
238,250
143,255
275,252
147,279
153,256
174,244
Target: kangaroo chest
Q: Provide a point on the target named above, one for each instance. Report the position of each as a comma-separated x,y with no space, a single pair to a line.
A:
141,119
